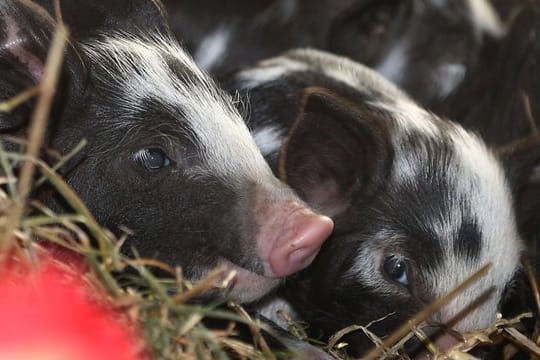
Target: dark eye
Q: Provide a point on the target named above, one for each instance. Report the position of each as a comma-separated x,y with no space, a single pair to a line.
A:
152,159
396,269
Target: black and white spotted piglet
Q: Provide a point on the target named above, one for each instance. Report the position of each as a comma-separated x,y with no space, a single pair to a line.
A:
168,155
419,203
463,62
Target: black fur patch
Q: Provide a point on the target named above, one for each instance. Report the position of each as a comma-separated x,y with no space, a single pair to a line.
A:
468,243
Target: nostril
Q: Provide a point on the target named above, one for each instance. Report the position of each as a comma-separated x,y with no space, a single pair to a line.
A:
303,257
298,249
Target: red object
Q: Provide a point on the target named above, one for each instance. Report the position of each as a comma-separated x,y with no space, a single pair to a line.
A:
48,313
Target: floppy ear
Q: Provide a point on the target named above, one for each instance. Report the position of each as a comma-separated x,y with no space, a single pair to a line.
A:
92,18
522,163
25,35
335,151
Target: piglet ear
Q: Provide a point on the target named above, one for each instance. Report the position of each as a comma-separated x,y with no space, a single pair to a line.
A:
522,163
335,151
25,34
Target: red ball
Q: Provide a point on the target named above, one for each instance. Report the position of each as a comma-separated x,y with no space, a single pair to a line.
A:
48,313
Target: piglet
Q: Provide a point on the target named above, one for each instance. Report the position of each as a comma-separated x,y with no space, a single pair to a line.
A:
479,66
168,155
419,203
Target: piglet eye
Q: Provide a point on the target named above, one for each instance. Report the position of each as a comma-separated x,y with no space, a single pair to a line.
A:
396,269
152,159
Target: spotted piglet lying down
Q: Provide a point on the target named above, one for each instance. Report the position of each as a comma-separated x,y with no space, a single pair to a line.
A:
419,203
168,155
473,68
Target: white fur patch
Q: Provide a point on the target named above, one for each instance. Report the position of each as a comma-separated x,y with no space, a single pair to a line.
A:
482,180
347,71
395,62
335,67
141,72
478,179
411,117
268,139
448,77
485,18
212,47
406,113
268,71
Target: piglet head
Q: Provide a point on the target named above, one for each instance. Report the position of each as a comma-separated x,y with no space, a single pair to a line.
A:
419,206
168,155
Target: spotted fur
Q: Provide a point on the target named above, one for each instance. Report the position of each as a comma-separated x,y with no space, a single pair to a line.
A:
443,200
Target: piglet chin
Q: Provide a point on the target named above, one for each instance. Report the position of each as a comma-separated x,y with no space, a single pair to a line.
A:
246,286
444,343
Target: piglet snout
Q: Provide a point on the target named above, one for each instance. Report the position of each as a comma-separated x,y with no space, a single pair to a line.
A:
291,238
296,249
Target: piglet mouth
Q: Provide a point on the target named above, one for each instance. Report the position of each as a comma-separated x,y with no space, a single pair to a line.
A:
245,285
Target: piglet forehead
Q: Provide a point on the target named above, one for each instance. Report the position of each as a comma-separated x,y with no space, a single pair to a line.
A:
156,69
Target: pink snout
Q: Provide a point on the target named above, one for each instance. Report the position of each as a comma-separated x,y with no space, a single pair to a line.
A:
289,241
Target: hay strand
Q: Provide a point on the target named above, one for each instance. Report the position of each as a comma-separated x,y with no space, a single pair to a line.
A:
424,314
